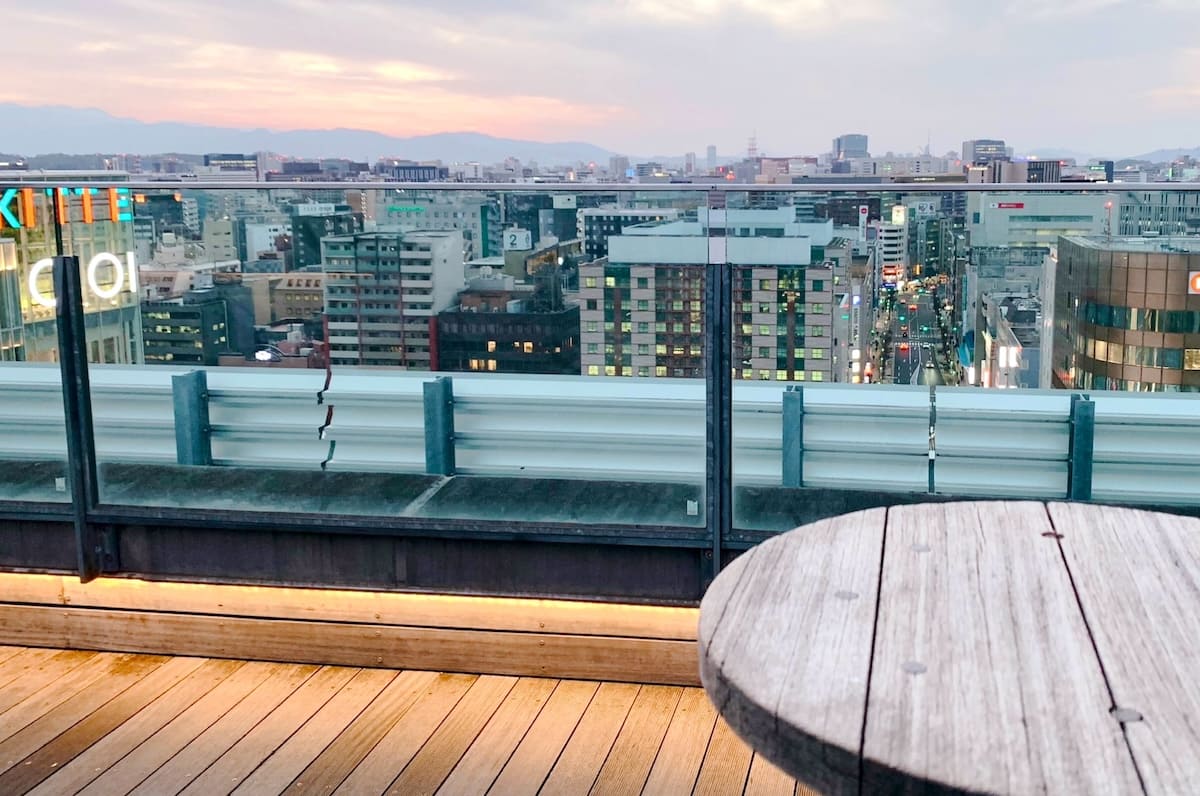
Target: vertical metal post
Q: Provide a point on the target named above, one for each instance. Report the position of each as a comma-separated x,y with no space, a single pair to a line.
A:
932,437
718,374
1083,442
193,434
439,426
793,436
77,408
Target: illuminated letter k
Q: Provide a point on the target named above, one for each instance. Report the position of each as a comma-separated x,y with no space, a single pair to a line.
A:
6,214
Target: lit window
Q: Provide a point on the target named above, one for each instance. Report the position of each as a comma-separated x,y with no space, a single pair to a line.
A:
818,376
764,284
610,370
589,281
528,347
491,346
491,364
1191,359
610,281
661,349
660,370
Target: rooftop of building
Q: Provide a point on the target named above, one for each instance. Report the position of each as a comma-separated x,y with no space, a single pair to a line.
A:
1181,244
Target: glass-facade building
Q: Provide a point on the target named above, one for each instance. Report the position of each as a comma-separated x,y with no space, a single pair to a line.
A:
1127,314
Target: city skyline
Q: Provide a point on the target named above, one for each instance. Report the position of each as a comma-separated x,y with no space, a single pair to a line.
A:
640,76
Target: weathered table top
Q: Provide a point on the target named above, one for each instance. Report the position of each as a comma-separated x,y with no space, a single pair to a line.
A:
1001,647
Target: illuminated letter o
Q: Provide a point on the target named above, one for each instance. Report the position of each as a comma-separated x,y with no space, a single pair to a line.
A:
97,261
35,294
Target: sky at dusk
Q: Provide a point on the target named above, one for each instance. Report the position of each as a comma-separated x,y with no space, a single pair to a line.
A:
1103,77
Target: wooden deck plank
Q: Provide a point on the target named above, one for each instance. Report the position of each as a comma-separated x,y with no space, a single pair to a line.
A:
200,753
62,717
143,761
766,779
27,659
240,760
678,762
31,674
486,756
105,750
984,677
637,744
581,760
533,758
53,694
332,766
786,630
7,652
1137,576
72,734
429,768
278,771
726,763
406,737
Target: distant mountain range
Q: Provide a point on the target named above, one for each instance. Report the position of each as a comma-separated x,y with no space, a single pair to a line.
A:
57,129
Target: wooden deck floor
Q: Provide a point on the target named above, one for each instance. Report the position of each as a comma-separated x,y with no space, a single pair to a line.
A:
110,723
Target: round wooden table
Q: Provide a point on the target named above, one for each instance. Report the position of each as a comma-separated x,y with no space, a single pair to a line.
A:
995,647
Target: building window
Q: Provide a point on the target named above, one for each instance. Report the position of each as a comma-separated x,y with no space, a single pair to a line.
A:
643,348
661,349
1191,359
491,346
643,282
589,281
764,330
818,376
592,326
610,281
764,352
593,370
818,285
528,347
818,353
660,370
764,284
643,371
643,304
593,348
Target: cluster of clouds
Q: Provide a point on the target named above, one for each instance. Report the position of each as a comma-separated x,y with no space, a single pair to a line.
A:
641,76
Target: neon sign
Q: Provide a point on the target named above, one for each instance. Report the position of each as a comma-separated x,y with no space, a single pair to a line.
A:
126,276
18,210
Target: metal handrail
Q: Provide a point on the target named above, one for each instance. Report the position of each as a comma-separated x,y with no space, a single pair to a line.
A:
618,187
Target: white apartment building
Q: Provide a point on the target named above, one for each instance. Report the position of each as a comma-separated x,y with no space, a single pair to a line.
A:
382,290
642,307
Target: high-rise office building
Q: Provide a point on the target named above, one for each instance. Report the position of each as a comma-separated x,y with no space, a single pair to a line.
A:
849,146
500,325
710,158
982,151
1043,171
189,331
99,230
1158,213
227,161
689,163
382,291
642,311
312,222
477,217
1127,314
595,225
618,167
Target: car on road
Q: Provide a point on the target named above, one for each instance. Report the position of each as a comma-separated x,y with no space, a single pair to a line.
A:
904,346
912,307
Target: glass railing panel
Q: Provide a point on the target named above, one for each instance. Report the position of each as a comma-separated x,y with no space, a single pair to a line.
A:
441,355
33,442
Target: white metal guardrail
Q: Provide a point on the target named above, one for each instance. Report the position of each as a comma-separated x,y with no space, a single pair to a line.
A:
988,442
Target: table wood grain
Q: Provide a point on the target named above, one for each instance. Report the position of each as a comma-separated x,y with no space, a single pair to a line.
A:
988,647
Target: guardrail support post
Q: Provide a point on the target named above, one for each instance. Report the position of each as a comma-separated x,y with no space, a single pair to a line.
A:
439,426
1082,448
193,435
793,436
718,378
82,479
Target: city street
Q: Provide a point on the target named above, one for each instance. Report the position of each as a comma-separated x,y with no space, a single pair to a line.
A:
915,341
